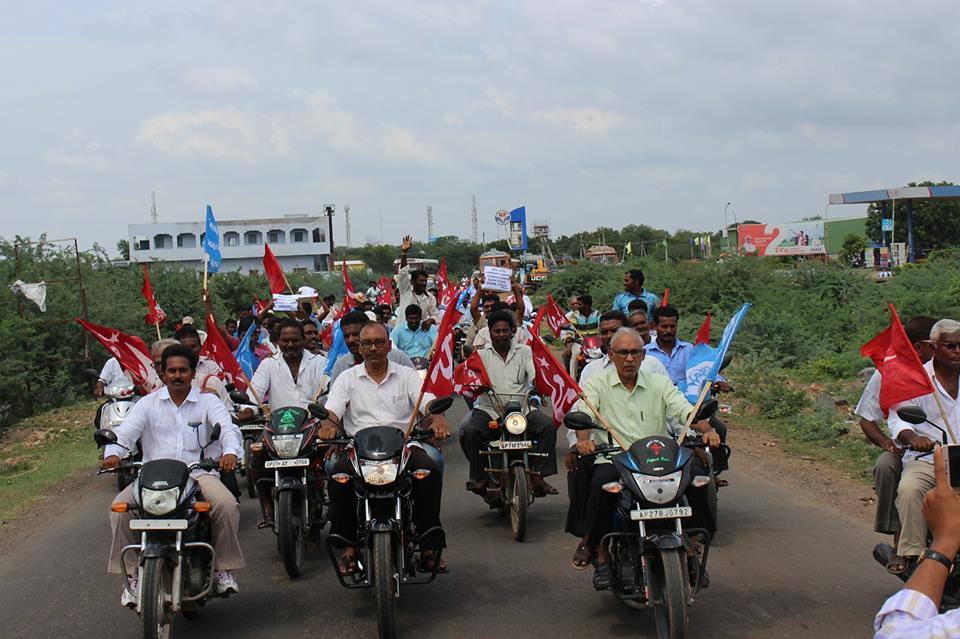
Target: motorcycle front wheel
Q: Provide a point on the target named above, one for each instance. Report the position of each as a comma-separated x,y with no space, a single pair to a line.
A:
290,534
518,494
670,594
386,584
154,590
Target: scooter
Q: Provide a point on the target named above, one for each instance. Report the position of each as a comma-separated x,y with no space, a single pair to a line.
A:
110,414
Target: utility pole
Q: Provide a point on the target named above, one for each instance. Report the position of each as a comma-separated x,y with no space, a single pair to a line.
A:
329,211
153,207
473,220
346,213
381,226
429,223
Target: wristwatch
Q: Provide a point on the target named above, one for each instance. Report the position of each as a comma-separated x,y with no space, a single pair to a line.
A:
938,557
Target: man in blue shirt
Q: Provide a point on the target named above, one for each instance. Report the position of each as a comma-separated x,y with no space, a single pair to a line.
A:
633,290
410,337
672,352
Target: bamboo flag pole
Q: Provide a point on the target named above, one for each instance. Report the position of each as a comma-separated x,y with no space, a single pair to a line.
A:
320,386
263,407
416,411
206,261
157,326
603,422
693,414
943,413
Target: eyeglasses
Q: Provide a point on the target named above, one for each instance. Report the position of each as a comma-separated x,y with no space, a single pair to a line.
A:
371,344
950,346
625,353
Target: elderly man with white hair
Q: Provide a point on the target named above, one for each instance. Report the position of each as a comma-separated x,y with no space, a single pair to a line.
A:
918,473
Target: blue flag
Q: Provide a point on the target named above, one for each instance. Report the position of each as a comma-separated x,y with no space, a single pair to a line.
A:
703,365
245,356
211,242
338,348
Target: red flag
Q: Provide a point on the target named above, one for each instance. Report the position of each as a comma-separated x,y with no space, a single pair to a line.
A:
442,281
259,305
449,296
666,294
439,379
130,351
155,314
902,373
556,320
349,300
553,380
326,335
273,271
703,335
386,291
215,347
470,375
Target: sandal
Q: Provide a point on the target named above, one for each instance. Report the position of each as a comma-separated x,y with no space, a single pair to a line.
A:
601,578
582,556
896,565
540,487
348,565
264,523
432,563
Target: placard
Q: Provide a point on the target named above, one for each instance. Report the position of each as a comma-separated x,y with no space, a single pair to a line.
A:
496,278
282,302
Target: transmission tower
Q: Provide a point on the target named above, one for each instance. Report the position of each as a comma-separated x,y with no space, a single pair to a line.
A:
346,212
153,207
473,220
429,223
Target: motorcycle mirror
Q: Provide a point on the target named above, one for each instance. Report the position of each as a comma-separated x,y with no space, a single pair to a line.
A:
239,397
708,409
92,373
578,420
912,414
440,405
318,411
230,387
104,436
215,433
726,361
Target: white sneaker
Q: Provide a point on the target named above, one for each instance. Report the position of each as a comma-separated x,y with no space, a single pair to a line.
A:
225,583
126,598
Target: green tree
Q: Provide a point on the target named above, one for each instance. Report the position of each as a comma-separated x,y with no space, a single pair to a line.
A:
936,223
123,248
851,253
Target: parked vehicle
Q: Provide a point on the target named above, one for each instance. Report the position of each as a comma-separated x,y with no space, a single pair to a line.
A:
175,556
385,537
583,350
110,414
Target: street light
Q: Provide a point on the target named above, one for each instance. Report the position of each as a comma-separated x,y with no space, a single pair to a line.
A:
725,230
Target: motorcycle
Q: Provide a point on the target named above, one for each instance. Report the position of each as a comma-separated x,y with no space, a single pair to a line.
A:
883,552
251,431
509,461
297,485
110,414
175,554
583,350
385,537
653,561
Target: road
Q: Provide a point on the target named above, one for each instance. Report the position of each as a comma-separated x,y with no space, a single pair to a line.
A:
780,567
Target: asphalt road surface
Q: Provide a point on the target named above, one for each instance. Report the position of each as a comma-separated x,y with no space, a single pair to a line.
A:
779,567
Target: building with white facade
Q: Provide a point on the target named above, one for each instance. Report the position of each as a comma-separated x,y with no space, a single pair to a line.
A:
300,243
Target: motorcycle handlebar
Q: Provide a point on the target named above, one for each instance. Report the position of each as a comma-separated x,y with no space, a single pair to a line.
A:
124,465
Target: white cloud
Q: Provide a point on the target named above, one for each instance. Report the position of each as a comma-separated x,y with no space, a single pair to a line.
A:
587,121
221,78
88,158
227,134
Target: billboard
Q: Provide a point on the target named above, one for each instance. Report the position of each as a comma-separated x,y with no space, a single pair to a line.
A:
517,237
793,238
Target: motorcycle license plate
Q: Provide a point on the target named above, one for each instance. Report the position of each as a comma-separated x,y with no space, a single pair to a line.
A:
642,514
158,524
286,463
520,445
251,429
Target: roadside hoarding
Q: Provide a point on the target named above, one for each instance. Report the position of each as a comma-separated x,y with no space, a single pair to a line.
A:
793,238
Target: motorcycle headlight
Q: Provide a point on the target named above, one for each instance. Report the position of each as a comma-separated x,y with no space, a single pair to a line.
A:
159,502
516,423
287,445
379,473
659,490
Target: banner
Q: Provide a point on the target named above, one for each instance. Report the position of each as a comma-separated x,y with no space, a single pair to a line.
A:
794,238
211,242
517,236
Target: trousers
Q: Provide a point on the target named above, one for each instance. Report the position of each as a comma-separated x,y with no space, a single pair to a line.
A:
886,477
917,478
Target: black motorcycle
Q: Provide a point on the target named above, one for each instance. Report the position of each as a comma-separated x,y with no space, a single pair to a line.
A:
385,537
175,556
509,460
653,561
295,478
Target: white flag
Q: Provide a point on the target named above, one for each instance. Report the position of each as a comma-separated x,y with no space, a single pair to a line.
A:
36,293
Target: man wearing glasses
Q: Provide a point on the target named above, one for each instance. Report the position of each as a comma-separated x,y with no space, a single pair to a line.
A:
635,404
918,473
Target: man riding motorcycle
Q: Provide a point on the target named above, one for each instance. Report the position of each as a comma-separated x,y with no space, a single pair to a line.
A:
380,392
174,423
510,367
635,404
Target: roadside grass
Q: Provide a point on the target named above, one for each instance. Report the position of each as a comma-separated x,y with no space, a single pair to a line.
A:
41,451
814,420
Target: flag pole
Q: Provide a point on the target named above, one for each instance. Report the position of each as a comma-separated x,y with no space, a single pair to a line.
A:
323,379
157,326
263,407
943,414
603,422
416,410
206,260
693,415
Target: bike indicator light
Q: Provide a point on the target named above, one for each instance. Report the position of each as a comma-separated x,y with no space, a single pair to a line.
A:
700,481
493,424
256,447
613,487
202,506
120,507
421,473
341,478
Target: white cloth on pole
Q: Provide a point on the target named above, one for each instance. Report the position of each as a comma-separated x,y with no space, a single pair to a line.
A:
36,293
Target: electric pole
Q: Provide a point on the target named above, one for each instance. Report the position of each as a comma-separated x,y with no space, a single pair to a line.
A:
153,207
346,213
429,223
473,220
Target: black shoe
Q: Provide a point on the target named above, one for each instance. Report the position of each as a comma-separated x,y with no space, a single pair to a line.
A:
478,486
704,579
601,577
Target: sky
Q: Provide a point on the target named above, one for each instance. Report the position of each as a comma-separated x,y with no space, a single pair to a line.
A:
590,113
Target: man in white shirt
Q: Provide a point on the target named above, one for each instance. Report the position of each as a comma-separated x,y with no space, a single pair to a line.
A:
189,336
350,325
175,423
292,377
918,475
110,375
379,392
412,286
889,464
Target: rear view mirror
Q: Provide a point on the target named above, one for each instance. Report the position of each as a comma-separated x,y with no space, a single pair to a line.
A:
440,405
104,437
726,361
912,414
92,373
578,420
318,411
215,433
239,397
707,410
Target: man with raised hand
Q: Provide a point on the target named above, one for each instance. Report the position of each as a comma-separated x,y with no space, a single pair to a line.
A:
412,285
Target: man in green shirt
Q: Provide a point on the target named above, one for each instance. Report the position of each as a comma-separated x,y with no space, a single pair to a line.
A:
635,404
